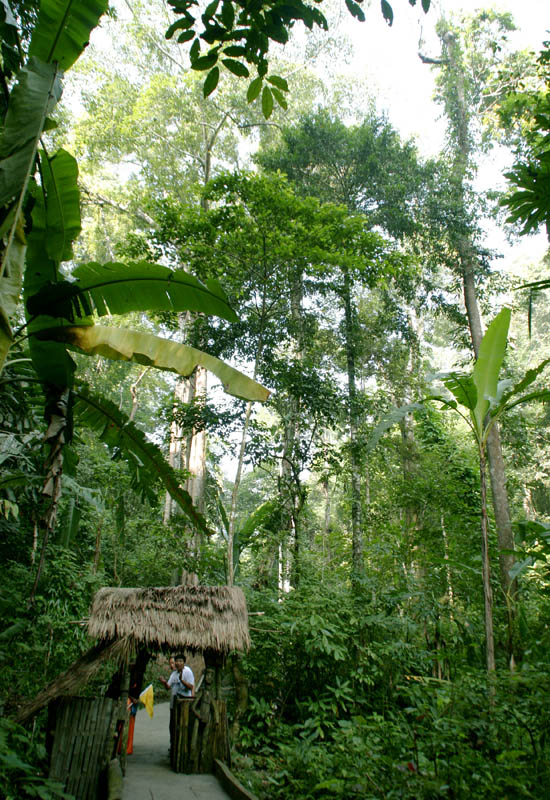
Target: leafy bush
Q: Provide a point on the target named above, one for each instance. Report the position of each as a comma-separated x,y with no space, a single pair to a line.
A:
21,761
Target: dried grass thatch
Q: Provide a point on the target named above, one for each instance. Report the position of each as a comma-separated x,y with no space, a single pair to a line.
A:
176,617
77,675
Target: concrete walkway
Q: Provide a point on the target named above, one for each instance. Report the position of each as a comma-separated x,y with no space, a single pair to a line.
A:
148,773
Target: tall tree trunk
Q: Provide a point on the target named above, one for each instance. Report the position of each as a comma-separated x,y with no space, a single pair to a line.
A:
194,457
176,456
235,495
486,567
353,415
290,488
461,120
57,410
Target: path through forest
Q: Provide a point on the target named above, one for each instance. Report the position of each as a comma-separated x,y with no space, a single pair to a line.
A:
148,773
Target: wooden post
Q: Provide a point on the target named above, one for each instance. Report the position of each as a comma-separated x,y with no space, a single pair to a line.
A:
209,737
123,717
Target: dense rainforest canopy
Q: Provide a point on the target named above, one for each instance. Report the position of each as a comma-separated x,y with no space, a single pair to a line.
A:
249,331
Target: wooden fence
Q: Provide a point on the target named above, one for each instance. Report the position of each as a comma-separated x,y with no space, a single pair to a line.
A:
197,740
82,742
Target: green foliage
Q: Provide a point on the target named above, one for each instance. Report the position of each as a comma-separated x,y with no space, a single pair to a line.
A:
63,30
146,461
245,32
340,708
22,766
528,198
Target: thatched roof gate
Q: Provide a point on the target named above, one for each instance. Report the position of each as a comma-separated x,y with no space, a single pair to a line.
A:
187,617
176,617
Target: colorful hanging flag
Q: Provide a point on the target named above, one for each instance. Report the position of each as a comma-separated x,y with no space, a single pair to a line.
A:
147,698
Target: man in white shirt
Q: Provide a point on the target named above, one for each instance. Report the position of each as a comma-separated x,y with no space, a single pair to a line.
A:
187,679
173,683
181,684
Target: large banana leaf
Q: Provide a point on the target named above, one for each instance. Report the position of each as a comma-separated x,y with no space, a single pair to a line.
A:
462,387
116,288
63,29
32,99
144,458
127,345
55,219
60,185
488,364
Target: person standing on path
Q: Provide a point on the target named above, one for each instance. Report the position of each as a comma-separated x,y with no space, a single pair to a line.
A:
187,679
175,685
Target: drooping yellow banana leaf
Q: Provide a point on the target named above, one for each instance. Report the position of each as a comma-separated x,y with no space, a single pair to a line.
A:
145,348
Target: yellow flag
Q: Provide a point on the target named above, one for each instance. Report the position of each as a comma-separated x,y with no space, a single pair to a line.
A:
147,699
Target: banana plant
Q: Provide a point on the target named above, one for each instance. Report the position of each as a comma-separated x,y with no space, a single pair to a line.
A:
40,219
480,399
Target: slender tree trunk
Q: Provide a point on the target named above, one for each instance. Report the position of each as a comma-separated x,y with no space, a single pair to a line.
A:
58,407
235,494
468,269
242,446
197,452
97,549
450,592
353,414
182,394
486,567
290,488
497,471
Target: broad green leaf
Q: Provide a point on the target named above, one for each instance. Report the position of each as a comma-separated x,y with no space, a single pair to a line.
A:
32,99
146,461
463,388
254,89
542,394
52,362
355,10
186,36
278,33
63,29
116,288
194,50
280,98
530,376
267,102
60,184
211,81
121,344
228,14
181,24
280,83
211,9
234,50
425,5
236,67
204,62
488,364
387,11
256,519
